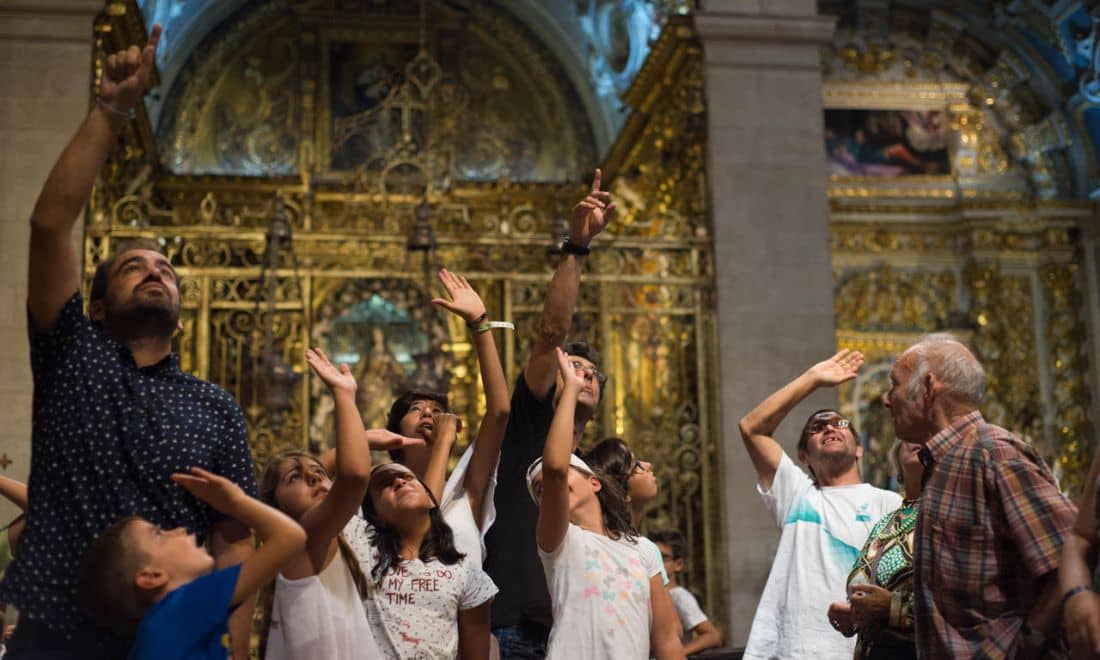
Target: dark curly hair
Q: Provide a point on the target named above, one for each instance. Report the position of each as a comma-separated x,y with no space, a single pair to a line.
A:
438,544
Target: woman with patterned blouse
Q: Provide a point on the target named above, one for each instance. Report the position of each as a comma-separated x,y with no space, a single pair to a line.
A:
880,586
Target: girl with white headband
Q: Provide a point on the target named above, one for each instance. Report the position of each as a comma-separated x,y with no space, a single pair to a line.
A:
601,583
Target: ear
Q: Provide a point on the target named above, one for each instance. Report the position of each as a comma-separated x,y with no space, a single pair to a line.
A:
802,456
931,387
678,566
150,579
96,310
596,485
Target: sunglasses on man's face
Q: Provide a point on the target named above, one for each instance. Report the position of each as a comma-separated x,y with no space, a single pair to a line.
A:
819,425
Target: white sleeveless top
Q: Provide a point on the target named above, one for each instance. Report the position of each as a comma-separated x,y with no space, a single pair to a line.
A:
320,616
459,514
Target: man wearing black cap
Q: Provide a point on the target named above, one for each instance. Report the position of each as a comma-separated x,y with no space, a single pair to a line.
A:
521,616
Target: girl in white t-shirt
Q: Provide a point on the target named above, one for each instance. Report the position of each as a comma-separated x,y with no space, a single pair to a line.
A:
466,497
614,458
604,588
426,599
314,609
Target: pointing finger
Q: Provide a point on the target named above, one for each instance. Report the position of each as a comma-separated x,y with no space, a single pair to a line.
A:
150,49
596,180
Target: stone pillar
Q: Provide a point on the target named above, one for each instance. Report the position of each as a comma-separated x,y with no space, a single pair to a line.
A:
767,173
45,57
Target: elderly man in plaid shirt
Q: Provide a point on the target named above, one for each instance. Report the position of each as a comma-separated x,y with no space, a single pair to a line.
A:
992,520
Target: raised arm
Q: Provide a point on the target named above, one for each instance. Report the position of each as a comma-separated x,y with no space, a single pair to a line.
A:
554,501
374,440
281,537
466,303
53,276
14,491
589,217
1081,610
447,426
351,474
758,427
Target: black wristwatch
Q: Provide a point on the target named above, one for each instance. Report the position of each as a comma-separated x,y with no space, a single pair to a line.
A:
568,247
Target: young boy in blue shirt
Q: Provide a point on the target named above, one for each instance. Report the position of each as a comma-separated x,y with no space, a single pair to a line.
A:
160,586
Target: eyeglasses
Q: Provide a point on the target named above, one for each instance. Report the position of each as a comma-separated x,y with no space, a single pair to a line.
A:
818,425
588,370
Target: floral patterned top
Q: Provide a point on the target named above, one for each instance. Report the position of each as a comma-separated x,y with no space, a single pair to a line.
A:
886,561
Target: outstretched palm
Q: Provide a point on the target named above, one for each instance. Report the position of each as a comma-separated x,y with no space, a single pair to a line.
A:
591,214
464,300
126,73
336,378
215,490
840,368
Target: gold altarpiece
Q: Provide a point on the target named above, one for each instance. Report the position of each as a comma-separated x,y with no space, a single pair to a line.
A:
989,251
497,179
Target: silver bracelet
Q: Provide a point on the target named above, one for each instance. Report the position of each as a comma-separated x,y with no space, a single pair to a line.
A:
115,111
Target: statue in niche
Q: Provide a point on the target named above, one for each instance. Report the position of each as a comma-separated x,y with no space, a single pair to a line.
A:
379,378
390,342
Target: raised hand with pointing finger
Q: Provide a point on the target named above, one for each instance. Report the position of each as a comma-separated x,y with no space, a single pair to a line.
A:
126,74
591,214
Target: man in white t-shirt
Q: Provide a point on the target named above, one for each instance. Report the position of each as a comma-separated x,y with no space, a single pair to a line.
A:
824,517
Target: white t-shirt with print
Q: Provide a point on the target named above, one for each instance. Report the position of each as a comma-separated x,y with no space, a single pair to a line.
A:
600,591
413,610
651,548
687,608
320,616
823,530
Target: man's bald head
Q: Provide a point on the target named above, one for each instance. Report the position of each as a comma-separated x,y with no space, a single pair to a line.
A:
952,363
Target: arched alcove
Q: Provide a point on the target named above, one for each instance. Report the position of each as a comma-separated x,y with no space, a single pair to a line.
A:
278,82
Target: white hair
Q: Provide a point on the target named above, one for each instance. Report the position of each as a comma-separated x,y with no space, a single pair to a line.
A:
952,363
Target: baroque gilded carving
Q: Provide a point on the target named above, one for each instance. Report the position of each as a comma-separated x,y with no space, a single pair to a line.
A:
1072,430
647,297
887,300
1003,313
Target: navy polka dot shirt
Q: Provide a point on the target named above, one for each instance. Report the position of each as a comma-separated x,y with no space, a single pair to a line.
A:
106,437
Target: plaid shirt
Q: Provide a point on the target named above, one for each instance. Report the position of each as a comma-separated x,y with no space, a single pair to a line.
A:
991,526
